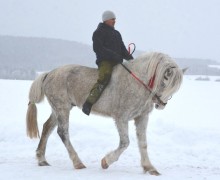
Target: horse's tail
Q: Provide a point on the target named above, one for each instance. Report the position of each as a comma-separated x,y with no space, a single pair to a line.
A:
36,95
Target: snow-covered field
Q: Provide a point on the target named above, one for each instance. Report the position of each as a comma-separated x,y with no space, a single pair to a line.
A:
183,139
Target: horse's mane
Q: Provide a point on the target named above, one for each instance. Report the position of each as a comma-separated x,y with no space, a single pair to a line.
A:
154,63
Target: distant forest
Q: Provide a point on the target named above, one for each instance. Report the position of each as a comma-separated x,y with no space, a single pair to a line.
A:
23,57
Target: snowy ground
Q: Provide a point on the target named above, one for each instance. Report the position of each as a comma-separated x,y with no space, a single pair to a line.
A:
183,139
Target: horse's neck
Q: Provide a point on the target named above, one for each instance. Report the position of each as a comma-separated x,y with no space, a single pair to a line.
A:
149,66
139,68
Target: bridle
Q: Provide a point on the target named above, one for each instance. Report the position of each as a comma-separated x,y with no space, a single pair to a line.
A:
148,86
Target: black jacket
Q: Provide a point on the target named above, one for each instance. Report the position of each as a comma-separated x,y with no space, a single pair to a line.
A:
108,45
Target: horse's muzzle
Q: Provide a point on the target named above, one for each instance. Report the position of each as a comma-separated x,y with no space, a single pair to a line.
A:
159,104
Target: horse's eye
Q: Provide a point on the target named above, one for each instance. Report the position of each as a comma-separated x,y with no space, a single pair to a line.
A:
168,73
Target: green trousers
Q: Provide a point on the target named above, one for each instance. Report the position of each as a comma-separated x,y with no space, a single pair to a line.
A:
105,69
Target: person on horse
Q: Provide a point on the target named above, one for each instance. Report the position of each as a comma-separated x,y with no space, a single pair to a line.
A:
110,51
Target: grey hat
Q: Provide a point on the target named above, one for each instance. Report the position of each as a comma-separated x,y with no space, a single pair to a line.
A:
108,15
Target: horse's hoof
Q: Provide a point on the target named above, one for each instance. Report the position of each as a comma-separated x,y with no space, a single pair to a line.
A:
104,164
154,172
43,163
80,166
151,171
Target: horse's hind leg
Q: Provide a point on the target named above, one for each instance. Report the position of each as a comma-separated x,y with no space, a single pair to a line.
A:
63,131
48,127
123,144
141,126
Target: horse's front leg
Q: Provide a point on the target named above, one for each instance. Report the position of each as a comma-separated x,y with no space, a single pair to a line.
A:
141,126
63,131
123,144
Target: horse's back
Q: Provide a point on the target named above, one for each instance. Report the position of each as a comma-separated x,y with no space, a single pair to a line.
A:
71,83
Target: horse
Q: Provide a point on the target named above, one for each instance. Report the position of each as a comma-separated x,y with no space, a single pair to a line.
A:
124,99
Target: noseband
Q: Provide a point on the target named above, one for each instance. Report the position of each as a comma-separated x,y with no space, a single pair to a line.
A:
159,100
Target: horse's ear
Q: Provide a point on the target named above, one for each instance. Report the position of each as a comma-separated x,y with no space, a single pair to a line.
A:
185,69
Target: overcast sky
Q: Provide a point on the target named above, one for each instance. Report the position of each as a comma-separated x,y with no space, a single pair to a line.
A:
180,28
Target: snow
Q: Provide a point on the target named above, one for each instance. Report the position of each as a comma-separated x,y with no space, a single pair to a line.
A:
215,66
183,139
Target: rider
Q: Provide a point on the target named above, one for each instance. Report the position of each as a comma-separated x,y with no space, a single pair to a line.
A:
110,51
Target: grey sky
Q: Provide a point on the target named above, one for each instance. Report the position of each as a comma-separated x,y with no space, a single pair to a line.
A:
180,28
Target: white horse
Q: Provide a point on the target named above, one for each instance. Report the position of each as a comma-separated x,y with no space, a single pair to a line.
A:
124,99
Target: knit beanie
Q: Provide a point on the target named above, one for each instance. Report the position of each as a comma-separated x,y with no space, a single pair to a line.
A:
108,15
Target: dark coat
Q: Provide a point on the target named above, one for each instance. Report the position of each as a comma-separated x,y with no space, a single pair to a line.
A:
108,45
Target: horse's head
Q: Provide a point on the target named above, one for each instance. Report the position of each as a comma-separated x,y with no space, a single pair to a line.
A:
164,77
169,83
